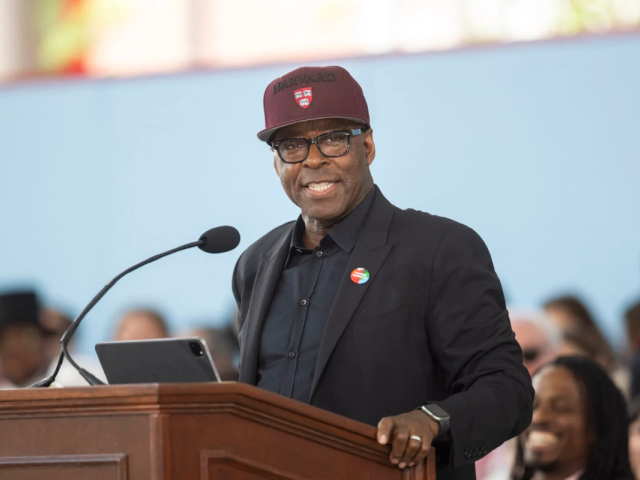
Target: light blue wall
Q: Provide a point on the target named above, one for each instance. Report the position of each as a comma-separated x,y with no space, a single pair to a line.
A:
536,147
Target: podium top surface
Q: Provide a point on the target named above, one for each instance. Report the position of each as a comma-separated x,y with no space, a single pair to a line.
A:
175,398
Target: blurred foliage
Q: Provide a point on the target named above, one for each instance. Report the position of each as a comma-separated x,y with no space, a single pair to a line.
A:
69,28
71,32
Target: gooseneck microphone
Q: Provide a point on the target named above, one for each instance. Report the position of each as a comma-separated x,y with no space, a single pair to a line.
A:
216,240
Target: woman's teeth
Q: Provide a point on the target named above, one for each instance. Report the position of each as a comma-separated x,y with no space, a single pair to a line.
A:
542,439
320,187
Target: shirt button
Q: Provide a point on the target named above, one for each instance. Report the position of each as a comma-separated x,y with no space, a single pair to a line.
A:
303,303
318,254
292,354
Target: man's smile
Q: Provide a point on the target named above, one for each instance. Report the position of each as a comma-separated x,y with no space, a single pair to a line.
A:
320,188
539,440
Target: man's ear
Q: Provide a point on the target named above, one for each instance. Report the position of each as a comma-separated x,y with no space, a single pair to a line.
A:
369,146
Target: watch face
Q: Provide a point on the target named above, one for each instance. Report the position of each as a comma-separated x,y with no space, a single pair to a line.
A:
437,411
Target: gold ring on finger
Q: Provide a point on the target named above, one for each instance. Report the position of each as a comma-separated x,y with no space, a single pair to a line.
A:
416,437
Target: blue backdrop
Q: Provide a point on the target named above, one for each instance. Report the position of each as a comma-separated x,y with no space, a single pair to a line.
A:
535,146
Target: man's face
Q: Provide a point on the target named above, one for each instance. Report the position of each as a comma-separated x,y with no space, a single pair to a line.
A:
347,177
558,439
534,344
21,353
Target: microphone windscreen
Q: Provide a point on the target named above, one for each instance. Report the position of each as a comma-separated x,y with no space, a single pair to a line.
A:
219,240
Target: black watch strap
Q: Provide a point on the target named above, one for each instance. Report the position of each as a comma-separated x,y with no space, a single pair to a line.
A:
439,415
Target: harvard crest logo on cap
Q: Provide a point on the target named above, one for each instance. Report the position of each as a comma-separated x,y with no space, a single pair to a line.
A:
303,96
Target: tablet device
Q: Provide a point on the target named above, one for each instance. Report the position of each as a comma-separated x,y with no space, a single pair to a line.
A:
167,360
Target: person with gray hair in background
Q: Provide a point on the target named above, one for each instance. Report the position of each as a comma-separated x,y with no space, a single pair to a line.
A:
538,337
540,340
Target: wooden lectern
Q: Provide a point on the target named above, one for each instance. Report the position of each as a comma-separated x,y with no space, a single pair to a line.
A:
184,432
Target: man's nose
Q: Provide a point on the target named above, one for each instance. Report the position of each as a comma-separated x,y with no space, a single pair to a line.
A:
315,159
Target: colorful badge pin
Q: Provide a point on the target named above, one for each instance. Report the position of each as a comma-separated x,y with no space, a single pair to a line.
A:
360,275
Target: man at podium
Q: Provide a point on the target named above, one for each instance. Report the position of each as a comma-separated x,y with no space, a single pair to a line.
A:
392,317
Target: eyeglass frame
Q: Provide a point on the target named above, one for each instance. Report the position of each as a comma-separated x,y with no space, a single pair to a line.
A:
354,132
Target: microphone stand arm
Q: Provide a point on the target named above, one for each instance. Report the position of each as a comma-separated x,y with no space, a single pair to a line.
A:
66,338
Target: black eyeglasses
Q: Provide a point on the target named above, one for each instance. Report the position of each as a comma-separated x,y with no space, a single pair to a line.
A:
330,144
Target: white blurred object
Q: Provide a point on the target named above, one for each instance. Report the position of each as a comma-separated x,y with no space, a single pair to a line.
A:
530,19
147,36
69,376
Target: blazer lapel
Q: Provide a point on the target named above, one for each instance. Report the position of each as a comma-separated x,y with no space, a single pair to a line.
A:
266,281
370,252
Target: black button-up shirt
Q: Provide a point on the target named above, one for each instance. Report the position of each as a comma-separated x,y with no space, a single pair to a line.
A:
295,322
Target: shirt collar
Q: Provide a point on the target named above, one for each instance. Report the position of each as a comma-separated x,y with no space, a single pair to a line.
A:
345,233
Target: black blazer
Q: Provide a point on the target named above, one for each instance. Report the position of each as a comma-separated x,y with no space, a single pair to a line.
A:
430,325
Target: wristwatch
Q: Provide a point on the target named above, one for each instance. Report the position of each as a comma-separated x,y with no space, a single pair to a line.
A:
439,415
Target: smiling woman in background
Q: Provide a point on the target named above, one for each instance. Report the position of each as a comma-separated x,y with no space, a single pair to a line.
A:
579,426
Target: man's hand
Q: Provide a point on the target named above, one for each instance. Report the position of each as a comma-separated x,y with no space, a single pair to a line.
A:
403,431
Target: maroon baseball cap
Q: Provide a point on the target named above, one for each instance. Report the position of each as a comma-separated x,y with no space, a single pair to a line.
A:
311,93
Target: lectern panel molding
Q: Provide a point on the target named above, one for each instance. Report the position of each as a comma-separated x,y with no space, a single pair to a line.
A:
30,462
160,447
210,458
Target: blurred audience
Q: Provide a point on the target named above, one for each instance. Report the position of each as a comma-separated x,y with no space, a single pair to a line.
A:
572,317
579,429
224,348
23,356
632,322
574,343
582,336
539,339
141,324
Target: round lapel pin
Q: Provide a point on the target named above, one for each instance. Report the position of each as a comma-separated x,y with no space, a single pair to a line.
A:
360,275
